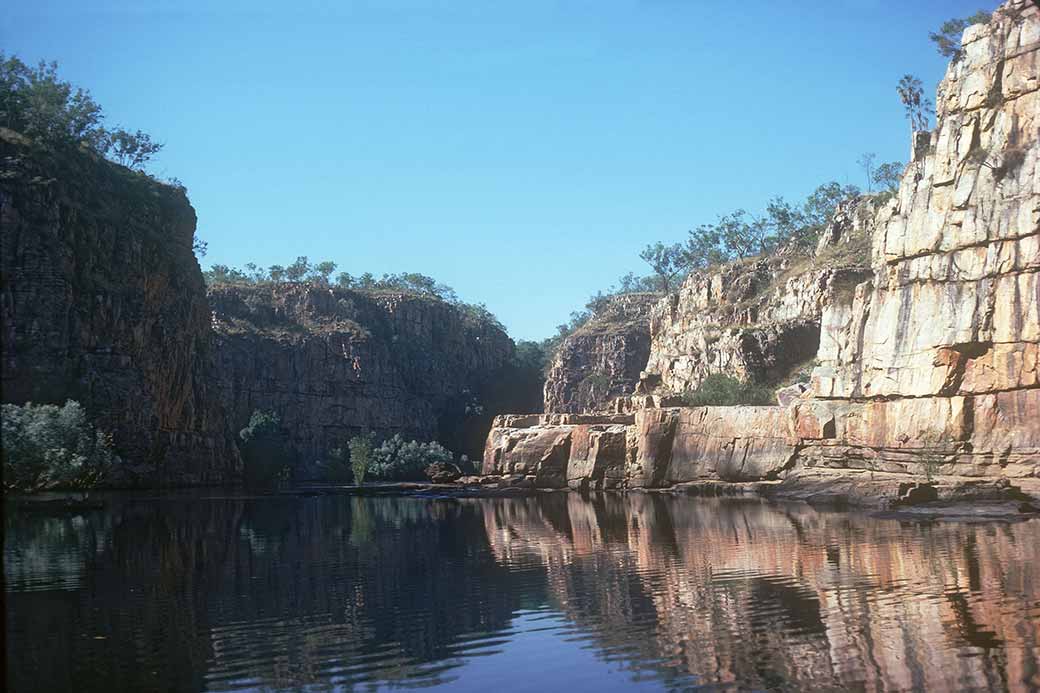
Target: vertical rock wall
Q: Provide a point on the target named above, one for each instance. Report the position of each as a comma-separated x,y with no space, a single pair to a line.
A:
102,301
333,363
928,361
601,360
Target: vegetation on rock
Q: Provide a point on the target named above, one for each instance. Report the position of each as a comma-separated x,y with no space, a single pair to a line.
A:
35,102
725,391
50,447
399,460
948,39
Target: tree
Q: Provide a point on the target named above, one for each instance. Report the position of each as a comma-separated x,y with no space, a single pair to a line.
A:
360,457
321,272
276,273
298,270
199,247
667,261
35,102
888,175
866,162
743,235
918,108
47,446
344,280
702,248
948,39
132,150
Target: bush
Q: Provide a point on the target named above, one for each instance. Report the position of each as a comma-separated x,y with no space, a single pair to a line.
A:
37,103
50,447
724,391
266,454
398,460
360,457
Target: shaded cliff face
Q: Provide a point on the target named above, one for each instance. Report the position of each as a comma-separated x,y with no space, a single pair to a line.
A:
333,363
927,361
601,360
103,302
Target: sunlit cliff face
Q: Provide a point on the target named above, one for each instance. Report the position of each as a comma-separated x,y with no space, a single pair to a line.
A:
789,596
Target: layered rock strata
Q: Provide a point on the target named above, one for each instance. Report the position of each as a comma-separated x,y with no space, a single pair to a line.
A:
603,359
103,302
927,363
332,363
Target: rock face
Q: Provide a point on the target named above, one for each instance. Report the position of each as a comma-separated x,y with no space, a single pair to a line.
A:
103,302
333,362
603,359
927,362
755,321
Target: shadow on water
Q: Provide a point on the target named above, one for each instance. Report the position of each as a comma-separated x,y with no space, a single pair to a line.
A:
336,592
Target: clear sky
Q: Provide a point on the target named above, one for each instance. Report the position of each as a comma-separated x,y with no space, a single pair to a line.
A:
522,152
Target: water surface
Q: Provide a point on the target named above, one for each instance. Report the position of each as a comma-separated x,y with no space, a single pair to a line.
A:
553,592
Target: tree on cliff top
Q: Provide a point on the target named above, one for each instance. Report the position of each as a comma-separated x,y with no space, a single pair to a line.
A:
668,263
917,106
948,39
37,103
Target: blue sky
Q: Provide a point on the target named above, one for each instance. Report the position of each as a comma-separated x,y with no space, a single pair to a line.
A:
522,152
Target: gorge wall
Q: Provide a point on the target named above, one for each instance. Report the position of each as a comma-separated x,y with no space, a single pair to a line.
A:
603,358
334,362
102,301
926,361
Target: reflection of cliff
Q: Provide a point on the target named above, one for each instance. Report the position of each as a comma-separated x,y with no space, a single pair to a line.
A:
186,595
289,592
789,597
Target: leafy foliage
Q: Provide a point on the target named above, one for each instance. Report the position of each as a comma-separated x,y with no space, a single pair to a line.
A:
266,454
37,103
917,106
668,263
320,274
360,457
46,446
399,460
948,39
725,391
888,175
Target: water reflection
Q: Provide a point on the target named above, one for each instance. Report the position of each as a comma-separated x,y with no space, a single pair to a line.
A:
545,592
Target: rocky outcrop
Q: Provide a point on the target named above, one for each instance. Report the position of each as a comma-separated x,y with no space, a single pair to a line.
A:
103,302
755,320
332,363
602,359
927,362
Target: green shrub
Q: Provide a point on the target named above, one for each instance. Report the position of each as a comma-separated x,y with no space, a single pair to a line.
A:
50,447
360,457
724,391
266,454
398,460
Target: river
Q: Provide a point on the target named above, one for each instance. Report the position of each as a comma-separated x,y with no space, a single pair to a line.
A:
210,592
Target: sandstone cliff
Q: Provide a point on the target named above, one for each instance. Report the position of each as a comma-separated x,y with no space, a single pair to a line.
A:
927,361
103,302
333,362
603,358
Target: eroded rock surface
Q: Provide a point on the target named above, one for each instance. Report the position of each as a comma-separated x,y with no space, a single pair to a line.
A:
601,360
103,302
333,363
927,360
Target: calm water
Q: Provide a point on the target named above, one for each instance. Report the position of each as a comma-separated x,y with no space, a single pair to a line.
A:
541,594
